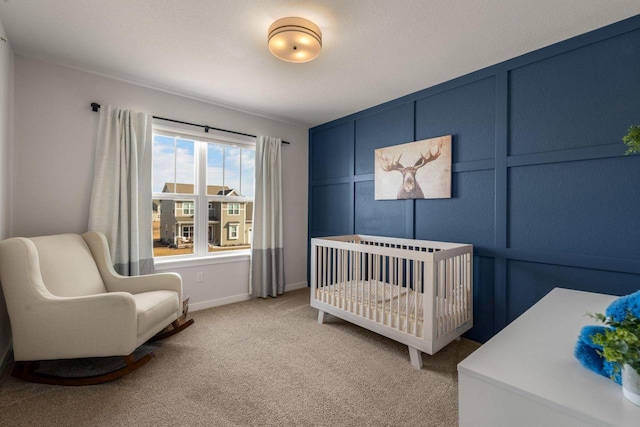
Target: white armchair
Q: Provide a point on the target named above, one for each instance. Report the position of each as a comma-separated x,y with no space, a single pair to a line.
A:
65,301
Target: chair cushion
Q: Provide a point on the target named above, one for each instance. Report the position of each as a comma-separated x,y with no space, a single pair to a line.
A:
153,307
67,266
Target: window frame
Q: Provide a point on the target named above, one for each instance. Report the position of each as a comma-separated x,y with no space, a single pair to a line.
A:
201,202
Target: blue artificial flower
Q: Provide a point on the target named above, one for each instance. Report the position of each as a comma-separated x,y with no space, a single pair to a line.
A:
589,358
618,309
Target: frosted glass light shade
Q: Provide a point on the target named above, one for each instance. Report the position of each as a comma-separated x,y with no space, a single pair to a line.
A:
295,39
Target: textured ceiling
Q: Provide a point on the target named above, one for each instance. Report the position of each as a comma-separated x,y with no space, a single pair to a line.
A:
374,50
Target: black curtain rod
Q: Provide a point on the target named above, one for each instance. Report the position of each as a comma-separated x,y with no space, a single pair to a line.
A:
96,107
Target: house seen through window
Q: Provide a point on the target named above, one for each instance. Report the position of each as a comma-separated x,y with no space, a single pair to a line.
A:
202,195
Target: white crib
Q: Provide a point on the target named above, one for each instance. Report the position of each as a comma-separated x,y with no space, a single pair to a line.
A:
417,292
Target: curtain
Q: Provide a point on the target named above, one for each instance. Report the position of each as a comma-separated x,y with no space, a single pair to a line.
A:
267,252
121,196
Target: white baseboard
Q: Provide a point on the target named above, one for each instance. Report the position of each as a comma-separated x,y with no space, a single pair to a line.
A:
294,286
202,305
217,302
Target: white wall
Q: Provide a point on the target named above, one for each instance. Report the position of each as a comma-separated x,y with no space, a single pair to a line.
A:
6,125
55,132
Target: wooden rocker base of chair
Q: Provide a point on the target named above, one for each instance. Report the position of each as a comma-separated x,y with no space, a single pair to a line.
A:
175,327
27,371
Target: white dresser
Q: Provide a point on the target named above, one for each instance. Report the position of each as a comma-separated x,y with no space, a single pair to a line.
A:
527,375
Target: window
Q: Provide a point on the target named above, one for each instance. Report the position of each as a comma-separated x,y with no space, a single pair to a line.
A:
233,232
187,208
195,180
233,208
187,232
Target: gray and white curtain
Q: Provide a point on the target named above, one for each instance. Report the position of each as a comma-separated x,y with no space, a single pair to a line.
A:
121,196
267,253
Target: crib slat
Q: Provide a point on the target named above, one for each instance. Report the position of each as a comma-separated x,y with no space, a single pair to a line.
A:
384,288
318,273
399,293
379,265
363,275
452,295
429,301
355,279
320,282
445,308
443,278
357,256
416,288
343,270
448,298
369,276
463,289
399,289
345,278
396,289
353,295
325,274
374,287
468,287
407,279
452,299
336,282
459,289
316,268
442,296
454,292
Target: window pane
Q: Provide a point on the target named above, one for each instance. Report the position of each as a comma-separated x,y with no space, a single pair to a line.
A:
215,175
173,166
248,171
173,227
185,166
163,165
229,228
232,168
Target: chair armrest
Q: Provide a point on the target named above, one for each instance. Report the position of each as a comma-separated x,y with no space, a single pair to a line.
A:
146,283
72,327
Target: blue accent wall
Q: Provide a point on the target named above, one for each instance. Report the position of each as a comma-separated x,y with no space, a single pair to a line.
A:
540,183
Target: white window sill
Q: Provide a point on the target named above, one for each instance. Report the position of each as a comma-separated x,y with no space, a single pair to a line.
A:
219,258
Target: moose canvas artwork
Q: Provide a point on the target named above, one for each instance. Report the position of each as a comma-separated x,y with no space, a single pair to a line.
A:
416,170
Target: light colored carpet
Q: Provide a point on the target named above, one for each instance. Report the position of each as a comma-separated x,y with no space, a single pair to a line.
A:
259,362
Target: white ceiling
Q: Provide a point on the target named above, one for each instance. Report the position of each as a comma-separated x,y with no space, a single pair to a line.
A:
374,50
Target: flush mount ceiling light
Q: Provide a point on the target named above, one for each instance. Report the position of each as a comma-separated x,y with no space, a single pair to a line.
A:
295,39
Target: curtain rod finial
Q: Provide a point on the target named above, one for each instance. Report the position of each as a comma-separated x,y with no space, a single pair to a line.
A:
95,106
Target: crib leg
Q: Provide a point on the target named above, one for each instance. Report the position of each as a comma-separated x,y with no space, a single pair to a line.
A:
416,357
320,317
